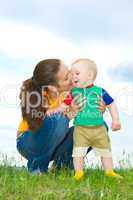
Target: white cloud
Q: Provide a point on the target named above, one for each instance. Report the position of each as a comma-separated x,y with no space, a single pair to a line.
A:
19,40
24,41
77,20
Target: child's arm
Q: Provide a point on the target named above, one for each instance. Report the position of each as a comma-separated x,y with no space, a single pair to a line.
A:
109,101
116,125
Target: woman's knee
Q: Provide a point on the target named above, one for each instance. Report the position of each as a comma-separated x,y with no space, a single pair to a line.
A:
56,122
20,147
24,144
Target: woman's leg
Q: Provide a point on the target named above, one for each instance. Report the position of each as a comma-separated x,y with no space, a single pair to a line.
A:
63,154
38,148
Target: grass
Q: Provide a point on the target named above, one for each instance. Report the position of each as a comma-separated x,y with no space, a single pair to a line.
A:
20,185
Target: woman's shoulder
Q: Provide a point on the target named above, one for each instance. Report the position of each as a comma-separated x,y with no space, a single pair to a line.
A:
23,126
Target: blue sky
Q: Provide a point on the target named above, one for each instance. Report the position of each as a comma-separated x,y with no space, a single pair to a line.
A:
100,30
124,72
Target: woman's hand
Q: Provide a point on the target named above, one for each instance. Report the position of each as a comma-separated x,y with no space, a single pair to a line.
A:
78,103
50,112
60,109
76,106
101,106
71,111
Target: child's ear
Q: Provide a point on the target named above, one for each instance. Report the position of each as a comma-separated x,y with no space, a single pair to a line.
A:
91,75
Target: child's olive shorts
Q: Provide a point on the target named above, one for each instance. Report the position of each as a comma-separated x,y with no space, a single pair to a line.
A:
96,137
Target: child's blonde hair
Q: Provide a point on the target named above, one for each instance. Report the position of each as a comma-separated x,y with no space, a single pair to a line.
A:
90,64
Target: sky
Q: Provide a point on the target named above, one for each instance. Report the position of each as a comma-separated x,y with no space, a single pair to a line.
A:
35,30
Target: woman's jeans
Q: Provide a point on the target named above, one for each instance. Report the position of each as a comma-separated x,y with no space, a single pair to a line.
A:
52,141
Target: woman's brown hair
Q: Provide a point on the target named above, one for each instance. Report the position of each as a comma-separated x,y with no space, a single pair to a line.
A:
44,74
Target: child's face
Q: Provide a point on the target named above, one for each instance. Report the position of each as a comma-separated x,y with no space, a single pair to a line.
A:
80,75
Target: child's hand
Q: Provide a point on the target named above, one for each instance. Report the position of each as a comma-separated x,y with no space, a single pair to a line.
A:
116,125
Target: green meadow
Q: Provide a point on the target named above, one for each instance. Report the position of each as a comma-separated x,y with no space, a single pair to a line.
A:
18,184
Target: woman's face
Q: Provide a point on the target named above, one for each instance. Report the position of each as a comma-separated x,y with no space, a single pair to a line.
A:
64,78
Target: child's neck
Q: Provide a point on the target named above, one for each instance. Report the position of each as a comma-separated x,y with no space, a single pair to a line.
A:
89,83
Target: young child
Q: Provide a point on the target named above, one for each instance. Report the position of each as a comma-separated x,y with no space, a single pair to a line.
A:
89,123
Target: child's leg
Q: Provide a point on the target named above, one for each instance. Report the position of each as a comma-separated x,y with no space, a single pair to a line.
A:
80,148
107,163
102,148
78,167
78,163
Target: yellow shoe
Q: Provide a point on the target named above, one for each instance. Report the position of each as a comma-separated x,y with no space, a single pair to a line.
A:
78,175
111,173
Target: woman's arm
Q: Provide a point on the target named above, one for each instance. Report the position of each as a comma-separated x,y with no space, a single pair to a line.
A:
101,106
76,106
69,110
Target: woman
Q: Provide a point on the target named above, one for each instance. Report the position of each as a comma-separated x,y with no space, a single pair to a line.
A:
41,137
44,135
